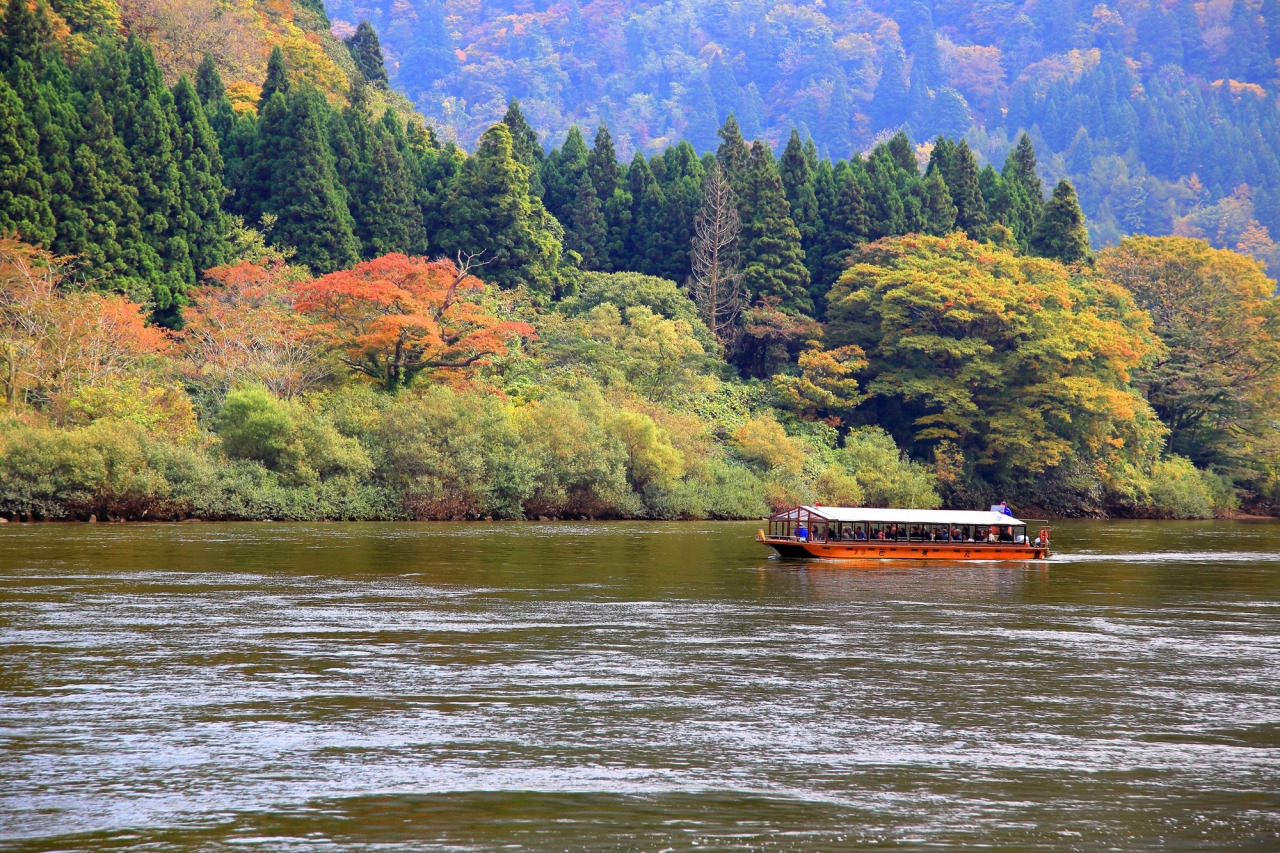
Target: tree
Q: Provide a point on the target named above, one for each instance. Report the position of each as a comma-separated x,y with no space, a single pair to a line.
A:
395,316
388,217
602,164
491,213
644,252
56,339
716,282
242,329
733,155
24,187
960,173
525,146
277,79
296,166
1020,363
367,53
1060,233
1215,384
940,212
848,224
586,231
888,105
203,192
772,257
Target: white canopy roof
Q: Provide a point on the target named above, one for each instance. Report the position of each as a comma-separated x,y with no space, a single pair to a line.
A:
902,516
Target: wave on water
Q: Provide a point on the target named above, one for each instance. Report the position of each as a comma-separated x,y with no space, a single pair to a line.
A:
1169,557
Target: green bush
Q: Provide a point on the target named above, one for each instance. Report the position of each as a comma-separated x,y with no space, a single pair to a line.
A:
1177,489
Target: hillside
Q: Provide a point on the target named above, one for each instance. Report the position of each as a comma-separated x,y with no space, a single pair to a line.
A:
1159,113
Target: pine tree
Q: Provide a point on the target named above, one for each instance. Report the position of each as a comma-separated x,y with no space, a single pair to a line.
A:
386,212
733,155
889,103
26,36
962,182
772,256
1020,167
205,223
586,231
1061,234
277,78
295,161
525,145
903,153
105,222
940,212
24,187
603,164
682,176
887,212
213,97
366,50
849,224
491,213
644,253
561,172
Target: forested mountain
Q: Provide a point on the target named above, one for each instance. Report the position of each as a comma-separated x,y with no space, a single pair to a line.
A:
1163,114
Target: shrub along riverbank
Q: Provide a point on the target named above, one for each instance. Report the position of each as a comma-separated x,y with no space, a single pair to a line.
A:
406,389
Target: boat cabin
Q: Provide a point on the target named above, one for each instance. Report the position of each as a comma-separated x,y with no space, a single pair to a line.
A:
882,533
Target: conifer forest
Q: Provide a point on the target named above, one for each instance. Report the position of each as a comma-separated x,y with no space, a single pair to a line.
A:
435,260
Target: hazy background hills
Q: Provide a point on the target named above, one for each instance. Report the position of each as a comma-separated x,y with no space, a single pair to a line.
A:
1163,114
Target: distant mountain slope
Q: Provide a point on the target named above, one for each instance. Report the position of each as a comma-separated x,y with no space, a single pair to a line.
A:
1164,114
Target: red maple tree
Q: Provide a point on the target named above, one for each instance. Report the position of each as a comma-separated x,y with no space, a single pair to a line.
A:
394,316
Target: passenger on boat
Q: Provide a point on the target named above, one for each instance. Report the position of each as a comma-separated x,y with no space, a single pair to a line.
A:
859,533
1006,534
802,533
992,535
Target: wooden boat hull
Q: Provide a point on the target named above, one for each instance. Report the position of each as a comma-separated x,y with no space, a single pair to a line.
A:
864,550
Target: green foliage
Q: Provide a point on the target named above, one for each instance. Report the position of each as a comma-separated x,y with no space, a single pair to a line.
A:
24,187
1060,233
1178,489
493,215
367,53
772,256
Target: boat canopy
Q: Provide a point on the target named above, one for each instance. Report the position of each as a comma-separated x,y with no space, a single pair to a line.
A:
899,516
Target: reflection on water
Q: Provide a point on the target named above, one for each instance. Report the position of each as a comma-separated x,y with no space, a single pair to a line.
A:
632,686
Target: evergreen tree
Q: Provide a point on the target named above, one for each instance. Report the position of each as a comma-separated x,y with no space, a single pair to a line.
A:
1061,234
304,195
602,163
644,253
772,256
24,187
849,224
197,153
681,182
26,36
940,211
889,103
525,145
561,172
105,223
53,117
903,153
277,78
387,216
366,50
797,173
1020,167
586,231
961,178
887,213
733,155
490,212
213,97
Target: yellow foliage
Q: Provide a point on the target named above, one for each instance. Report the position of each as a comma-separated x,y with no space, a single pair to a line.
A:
763,441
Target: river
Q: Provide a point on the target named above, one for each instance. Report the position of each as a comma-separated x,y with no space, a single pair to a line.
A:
613,686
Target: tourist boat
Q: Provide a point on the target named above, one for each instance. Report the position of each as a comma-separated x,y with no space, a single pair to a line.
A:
870,533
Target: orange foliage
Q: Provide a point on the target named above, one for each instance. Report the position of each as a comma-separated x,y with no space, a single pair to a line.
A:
55,341
392,317
243,328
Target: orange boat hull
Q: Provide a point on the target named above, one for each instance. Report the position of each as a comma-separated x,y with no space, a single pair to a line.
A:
864,550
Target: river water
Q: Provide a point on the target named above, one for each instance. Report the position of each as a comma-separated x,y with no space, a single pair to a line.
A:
632,687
